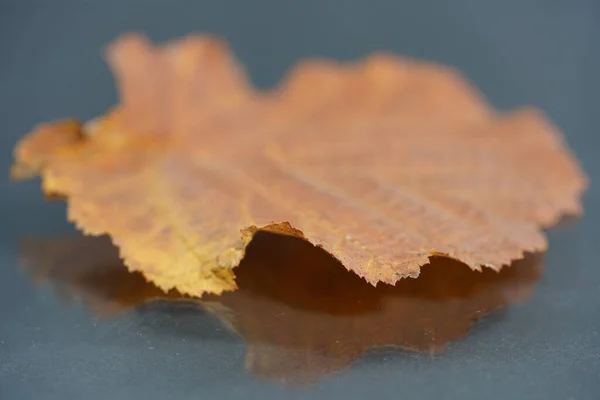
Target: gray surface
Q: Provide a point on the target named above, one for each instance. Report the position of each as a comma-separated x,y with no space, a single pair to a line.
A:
517,52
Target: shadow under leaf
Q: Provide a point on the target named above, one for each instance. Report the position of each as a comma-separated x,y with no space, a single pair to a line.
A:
302,315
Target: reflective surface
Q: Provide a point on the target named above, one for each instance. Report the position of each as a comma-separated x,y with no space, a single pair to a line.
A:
302,315
76,337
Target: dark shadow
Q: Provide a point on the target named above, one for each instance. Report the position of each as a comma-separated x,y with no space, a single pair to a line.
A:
302,315
88,269
566,221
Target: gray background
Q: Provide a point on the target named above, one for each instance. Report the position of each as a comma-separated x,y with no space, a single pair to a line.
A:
544,53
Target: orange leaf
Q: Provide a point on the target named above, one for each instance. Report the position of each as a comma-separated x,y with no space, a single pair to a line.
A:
383,163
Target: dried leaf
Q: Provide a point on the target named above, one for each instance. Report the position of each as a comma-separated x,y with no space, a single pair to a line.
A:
383,163
297,329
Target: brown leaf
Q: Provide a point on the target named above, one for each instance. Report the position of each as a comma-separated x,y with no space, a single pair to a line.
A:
297,329
383,163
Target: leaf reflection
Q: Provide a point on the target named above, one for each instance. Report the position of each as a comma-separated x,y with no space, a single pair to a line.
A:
302,315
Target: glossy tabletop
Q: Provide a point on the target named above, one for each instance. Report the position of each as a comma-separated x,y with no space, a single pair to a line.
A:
75,324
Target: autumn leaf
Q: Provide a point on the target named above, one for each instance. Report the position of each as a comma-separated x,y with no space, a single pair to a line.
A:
297,329
383,163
